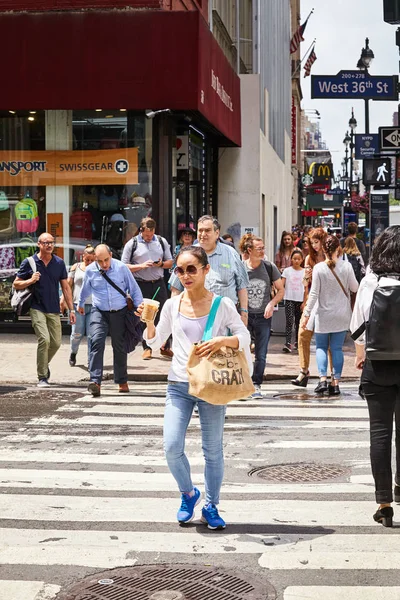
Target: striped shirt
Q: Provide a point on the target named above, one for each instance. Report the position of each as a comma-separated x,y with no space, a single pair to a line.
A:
227,275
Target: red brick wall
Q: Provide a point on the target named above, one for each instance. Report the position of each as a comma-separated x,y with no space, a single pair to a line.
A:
46,5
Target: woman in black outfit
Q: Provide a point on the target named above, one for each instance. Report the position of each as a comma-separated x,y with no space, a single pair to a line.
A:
380,379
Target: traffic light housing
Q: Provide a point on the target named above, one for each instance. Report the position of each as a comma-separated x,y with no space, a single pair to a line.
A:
391,11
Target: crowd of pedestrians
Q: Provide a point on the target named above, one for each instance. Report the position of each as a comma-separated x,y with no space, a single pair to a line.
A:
206,285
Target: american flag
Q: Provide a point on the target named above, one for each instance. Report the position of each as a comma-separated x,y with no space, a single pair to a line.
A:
310,61
297,37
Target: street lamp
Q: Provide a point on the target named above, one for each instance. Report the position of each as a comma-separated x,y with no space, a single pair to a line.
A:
353,126
366,57
346,143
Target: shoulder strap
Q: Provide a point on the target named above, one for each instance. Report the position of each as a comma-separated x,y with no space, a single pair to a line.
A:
161,242
340,283
32,263
134,246
268,267
114,285
211,318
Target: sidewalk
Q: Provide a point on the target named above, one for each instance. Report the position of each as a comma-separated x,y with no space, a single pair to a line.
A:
19,362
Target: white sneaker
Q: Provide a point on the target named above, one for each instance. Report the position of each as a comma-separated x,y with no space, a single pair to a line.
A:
43,383
257,394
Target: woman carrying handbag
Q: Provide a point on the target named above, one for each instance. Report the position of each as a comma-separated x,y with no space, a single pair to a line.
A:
187,316
332,283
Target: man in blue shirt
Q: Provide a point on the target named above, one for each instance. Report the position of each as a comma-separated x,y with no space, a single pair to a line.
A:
227,276
45,308
108,315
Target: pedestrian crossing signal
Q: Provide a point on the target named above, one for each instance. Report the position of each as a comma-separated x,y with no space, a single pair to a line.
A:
377,171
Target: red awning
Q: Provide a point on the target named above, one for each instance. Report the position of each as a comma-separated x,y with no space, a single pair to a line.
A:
119,59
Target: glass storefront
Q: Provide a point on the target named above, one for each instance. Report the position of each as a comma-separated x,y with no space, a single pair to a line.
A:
86,176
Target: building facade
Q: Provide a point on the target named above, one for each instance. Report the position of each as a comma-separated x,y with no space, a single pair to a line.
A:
257,190
120,109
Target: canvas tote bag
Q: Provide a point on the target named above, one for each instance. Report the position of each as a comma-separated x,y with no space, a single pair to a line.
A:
224,376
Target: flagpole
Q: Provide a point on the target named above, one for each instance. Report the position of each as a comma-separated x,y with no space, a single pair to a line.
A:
312,45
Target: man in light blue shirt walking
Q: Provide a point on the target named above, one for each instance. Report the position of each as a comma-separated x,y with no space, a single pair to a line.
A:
227,276
108,315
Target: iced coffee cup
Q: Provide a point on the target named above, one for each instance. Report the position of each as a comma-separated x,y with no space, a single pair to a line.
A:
150,309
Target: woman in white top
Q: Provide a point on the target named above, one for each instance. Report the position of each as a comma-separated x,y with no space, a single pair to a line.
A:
185,316
75,280
332,282
380,379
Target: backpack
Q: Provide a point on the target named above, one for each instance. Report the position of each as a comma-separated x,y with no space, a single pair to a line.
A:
21,300
382,334
81,222
115,233
268,267
135,243
358,269
7,258
108,200
26,249
26,216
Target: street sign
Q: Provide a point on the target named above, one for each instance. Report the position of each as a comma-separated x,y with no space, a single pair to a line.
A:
335,192
355,85
377,171
307,179
389,138
366,145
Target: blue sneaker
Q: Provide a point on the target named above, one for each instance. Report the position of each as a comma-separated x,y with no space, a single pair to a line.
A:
186,512
209,515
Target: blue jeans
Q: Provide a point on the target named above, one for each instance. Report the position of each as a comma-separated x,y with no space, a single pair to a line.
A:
260,330
335,342
178,411
80,329
101,323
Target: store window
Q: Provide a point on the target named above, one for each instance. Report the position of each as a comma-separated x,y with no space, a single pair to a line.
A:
22,206
84,176
104,210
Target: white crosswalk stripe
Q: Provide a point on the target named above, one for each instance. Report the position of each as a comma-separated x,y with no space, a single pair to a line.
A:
87,487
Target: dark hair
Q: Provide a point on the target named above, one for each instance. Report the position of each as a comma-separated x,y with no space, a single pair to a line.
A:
147,222
297,251
330,245
215,222
282,248
197,252
352,228
227,236
385,256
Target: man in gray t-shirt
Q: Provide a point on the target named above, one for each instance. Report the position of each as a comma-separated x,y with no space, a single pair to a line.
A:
259,289
261,307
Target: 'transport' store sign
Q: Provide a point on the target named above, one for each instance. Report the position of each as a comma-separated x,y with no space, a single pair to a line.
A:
72,167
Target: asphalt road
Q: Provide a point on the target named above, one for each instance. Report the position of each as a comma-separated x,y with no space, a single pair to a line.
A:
84,487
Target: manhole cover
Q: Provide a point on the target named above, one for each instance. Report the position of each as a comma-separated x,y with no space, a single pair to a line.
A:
165,582
299,472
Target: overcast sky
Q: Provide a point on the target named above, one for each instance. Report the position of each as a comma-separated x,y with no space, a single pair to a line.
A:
340,28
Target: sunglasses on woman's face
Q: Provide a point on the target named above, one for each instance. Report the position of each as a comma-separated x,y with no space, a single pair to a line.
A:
190,270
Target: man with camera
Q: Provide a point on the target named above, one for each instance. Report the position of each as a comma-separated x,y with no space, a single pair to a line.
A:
147,256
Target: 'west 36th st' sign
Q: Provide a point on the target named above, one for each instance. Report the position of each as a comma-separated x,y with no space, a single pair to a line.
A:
356,85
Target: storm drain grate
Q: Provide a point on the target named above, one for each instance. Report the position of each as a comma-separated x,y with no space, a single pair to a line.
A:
299,472
163,582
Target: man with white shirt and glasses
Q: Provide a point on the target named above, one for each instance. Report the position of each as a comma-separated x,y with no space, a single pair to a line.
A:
108,315
227,276
147,256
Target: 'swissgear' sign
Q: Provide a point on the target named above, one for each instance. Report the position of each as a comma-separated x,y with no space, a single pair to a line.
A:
97,167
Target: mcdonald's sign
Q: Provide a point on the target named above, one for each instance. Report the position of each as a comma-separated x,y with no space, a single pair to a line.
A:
323,173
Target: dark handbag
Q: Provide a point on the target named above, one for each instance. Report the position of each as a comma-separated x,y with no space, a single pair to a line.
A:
133,329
